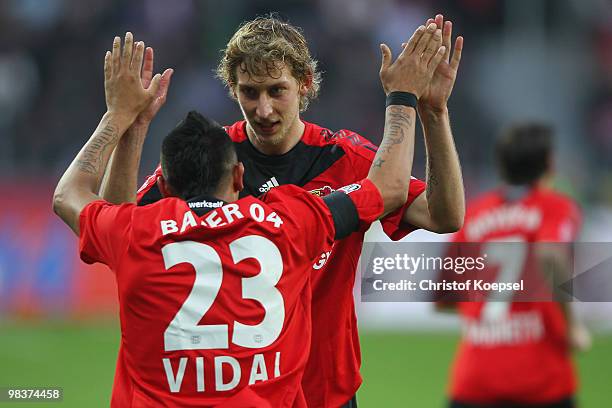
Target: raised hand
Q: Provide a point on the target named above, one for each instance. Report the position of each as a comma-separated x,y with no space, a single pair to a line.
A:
125,93
441,86
146,116
414,67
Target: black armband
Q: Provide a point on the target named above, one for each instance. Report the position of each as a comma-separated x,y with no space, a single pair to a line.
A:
344,213
402,98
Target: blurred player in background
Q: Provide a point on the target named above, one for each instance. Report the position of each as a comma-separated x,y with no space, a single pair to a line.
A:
269,71
529,366
215,291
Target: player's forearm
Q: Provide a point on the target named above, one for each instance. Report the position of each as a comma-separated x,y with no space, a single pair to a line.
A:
392,165
445,194
81,181
120,180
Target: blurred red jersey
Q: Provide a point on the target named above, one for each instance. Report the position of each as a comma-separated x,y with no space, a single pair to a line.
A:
215,298
532,364
322,162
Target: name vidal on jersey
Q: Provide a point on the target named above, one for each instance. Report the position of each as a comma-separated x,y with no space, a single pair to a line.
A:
214,219
257,372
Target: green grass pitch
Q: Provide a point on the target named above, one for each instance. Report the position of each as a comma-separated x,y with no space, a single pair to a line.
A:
399,369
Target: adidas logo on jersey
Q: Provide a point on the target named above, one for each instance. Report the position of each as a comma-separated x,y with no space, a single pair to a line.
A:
268,185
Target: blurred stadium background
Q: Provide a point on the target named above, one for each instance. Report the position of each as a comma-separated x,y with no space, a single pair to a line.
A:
542,59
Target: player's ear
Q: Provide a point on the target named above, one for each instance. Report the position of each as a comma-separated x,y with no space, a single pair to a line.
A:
164,188
238,177
306,84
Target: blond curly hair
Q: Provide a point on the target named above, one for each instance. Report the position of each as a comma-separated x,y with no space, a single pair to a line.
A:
262,47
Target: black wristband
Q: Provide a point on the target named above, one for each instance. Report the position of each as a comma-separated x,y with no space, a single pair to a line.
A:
402,98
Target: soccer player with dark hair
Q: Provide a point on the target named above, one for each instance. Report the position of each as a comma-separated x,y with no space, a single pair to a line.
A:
270,72
517,353
214,290
196,171
524,153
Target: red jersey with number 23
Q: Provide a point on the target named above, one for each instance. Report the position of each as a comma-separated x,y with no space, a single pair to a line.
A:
215,297
321,162
532,364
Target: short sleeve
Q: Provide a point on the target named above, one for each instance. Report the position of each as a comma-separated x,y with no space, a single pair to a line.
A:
314,217
361,153
367,200
560,223
104,232
393,223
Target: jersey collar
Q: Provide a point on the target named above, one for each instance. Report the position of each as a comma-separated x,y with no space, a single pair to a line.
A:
515,193
203,204
280,159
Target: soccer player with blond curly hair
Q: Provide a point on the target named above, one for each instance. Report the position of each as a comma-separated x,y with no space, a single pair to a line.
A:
271,74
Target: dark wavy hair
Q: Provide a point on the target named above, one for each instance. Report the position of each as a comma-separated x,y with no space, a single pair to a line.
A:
196,156
524,152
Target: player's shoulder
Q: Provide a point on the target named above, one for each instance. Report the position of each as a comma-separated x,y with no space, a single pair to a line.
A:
299,210
236,131
149,216
352,143
103,205
101,217
554,196
292,200
285,194
545,199
555,201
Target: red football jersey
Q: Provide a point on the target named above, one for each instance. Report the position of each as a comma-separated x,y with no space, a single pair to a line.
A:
321,162
215,297
531,364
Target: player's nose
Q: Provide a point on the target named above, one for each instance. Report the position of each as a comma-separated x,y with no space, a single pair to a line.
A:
264,106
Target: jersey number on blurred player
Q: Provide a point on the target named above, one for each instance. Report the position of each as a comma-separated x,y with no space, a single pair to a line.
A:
511,260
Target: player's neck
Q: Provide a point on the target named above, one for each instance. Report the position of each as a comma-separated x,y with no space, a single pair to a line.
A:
277,147
515,193
227,194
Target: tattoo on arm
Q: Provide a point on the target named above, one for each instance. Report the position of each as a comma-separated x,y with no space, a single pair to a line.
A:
91,159
378,162
432,178
397,120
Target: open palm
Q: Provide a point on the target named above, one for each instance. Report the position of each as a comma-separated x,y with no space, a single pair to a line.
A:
441,85
149,113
